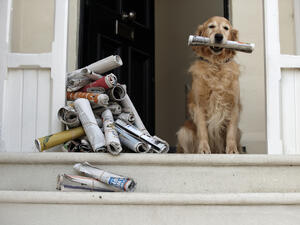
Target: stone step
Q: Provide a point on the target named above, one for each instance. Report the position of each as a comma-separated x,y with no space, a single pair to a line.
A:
77,208
167,173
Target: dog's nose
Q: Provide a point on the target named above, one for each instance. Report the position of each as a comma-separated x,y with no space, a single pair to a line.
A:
218,38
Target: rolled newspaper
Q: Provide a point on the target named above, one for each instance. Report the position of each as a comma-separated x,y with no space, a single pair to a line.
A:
158,145
106,64
100,67
127,104
115,108
234,45
132,142
77,145
127,117
67,182
105,82
117,181
97,90
88,121
79,78
117,93
68,116
112,140
52,140
100,99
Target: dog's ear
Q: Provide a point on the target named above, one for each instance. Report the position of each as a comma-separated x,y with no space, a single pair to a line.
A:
234,35
200,30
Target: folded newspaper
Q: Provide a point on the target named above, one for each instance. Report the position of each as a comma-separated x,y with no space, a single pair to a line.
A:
67,182
115,181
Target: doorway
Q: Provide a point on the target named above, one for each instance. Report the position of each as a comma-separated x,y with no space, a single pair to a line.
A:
151,38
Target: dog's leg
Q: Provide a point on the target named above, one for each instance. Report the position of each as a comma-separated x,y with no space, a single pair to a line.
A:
185,137
199,119
232,129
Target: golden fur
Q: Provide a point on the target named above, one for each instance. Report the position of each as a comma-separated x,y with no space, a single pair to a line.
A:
214,98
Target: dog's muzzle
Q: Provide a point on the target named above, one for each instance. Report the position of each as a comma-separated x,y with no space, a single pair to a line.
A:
218,40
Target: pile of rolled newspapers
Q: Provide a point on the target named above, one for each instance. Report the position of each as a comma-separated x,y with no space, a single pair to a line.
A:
94,179
100,116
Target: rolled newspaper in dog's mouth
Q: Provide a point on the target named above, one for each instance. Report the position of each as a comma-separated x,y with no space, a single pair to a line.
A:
52,140
158,145
105,82
112,140
67,182
132,142
234,45
117,181
88,121
68,116
100,99
117,93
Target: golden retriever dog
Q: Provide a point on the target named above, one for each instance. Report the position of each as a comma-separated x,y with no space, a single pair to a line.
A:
214,99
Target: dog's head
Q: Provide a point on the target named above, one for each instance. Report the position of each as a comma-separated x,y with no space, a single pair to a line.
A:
219,30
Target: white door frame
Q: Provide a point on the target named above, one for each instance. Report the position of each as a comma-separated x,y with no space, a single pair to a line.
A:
56,60
275,61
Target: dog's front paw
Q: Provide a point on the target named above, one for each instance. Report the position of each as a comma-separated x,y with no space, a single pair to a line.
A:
231,148
204,148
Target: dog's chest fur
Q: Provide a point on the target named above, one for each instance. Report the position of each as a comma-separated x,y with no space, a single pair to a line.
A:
215,92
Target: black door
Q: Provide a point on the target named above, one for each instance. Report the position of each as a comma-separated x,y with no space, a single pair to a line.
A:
125,28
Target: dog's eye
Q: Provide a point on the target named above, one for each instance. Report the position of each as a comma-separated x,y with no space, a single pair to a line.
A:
212,26
226,28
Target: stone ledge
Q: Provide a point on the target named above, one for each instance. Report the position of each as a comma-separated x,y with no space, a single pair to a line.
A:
102,198
150,159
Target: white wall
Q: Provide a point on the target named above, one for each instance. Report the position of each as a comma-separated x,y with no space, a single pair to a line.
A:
247,17
174,21
287,27
33,28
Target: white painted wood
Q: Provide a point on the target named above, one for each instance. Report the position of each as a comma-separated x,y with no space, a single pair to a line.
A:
273,76
289,61
32,86
288,113
12,125
29,112
59,62
297,106
43,104
282,97
18,60
5,13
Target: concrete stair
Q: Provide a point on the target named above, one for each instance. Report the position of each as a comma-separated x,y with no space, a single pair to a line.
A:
171,189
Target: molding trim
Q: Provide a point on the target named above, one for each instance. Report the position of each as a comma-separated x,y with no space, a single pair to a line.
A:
101,198
151,159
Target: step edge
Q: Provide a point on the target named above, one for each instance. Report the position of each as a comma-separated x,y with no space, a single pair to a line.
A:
101,198
150,159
